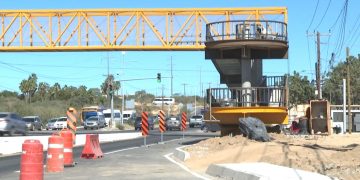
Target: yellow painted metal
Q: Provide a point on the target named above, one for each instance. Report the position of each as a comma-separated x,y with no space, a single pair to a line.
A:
231,115
118,29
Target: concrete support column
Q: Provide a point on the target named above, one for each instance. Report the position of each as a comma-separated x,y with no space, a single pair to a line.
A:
251,71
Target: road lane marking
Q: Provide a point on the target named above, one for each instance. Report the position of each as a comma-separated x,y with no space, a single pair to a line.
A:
167,156
126,149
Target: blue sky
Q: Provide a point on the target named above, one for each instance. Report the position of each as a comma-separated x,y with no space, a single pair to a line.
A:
90,68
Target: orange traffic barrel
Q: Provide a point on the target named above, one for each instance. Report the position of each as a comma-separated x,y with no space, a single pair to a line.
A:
31,165
68,147
55,154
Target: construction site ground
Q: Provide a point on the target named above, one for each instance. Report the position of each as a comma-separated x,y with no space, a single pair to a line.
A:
335,156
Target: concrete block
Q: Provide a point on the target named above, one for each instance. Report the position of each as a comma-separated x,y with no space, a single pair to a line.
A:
181,154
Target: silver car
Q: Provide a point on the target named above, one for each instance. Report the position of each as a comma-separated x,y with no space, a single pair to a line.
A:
11,123
94,122
33,123
196,121
173,123
51,124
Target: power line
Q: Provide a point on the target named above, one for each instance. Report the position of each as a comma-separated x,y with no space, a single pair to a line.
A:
42,75
327,8
341,37
312,19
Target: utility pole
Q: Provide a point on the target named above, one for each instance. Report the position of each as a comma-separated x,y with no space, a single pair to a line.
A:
318,67
318,63
122,106
184,89
348,88
122,89
171,71
162,97
344,106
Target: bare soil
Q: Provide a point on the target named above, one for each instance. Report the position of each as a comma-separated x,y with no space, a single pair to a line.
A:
334,156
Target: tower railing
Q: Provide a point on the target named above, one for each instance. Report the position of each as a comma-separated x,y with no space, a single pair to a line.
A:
265,30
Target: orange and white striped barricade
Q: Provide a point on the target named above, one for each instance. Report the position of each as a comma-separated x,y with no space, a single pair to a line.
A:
71,114
55,154
183,123
68,147
31,164
162,126
144,126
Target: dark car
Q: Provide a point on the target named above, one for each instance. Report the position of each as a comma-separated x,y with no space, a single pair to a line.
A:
11,123
138,123
33,122
173,122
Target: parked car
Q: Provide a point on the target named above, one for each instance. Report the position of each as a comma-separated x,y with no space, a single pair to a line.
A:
138,123
33,122
173,122
51,124
61,123
94,122
196,120
11,123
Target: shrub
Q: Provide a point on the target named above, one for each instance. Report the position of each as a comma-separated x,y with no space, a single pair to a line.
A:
120,126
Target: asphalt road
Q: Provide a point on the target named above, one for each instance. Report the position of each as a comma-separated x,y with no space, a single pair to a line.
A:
10,165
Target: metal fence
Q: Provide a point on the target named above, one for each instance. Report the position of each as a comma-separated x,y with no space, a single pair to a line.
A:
246,97
246,30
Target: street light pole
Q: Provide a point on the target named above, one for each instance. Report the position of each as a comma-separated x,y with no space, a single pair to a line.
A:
122,89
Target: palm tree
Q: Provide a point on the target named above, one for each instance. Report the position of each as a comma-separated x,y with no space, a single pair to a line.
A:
24,88
54,90
43,89
32,83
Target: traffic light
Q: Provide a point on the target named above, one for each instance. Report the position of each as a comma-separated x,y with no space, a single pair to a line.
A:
158,77
111,89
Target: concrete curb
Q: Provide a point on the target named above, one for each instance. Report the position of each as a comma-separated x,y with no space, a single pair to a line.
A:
219,171
181,154
261,171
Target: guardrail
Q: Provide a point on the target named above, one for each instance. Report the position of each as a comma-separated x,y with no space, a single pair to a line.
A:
246,97
246,30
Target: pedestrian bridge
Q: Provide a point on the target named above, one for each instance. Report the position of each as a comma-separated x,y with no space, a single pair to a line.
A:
172,29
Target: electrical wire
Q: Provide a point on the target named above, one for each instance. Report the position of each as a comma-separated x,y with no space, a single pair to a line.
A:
327,8
312,19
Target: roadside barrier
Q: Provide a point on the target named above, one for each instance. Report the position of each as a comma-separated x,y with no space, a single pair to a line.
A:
55,154
68,147
162,127
31,164
183,121
92,148
144,124
71,114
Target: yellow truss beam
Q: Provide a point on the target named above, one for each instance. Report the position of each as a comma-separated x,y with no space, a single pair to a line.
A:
180,29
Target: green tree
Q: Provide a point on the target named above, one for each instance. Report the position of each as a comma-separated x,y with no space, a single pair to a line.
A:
43,89
54,91
28,87
105,85
300,89
332,88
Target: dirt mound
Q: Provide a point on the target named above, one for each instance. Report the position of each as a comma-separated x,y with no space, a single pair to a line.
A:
335,156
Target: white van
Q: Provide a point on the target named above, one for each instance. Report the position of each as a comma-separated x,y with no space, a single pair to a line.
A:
107,114
128,114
